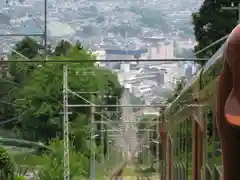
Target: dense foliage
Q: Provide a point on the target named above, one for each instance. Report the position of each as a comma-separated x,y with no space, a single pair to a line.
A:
32,93
53,169
211,23
7,166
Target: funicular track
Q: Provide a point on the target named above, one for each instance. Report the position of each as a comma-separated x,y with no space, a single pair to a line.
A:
117,174
143,178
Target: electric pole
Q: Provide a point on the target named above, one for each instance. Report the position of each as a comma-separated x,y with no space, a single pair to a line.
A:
102,135
45,31
233,8
157,144
92,165
65,125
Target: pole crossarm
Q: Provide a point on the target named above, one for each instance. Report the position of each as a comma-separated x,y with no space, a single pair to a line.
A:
120,130
229,8
113,105
114,60
84,92
76,94
137,122
233,8
24,35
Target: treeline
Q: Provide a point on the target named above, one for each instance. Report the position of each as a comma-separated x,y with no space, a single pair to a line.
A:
211,23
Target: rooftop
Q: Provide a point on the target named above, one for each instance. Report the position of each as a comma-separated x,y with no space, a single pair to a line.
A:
126,52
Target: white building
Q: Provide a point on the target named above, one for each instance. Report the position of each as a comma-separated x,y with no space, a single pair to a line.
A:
100,55
115,55
159,48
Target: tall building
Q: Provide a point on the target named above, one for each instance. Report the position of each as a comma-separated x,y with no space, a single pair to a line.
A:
113,54
160,78
189,71
125,67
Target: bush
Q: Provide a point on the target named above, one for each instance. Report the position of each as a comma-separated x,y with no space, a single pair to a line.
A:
53,170
20,178
7,165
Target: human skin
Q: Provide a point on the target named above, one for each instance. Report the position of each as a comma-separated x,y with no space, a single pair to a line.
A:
228,107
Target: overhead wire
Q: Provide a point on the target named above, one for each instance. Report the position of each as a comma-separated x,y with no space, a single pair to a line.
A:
212,44
34,20
204,49
8,121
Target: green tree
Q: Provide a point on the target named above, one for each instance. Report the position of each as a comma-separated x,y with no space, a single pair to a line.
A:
33,95
38,100
62,48
211,23
28,47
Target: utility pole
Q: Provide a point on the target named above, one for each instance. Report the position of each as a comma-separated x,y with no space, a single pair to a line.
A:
66,138
233,8
157,144
65,125
92,166
102,135
45,30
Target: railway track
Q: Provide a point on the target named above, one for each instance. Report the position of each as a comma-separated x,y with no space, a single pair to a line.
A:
143,178
117,174
132,178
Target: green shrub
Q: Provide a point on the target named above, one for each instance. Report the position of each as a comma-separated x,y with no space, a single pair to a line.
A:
20,178
7,165
53,169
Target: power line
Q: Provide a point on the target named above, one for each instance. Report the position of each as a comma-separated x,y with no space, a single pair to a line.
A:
93,60
8,121
43,35
212,44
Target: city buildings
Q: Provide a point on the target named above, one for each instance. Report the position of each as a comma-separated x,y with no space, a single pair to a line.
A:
147,80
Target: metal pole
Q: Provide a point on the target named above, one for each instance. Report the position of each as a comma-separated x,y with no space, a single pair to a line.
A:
102,137
147,153
117,109
113,105
109,121
236,8
45,30
92,168
187,145
108,147
142,155
238,13
158,135
65,125
22,35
